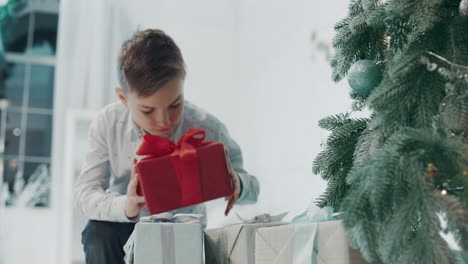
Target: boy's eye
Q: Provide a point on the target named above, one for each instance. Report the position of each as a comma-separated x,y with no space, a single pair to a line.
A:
147,112
174,106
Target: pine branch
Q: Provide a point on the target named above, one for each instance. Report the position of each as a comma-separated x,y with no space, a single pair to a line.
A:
454,40
336,190
335,161
395,194
356,39
332,122
359,224
409,95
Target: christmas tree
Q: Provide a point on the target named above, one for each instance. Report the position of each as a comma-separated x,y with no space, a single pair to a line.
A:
400,176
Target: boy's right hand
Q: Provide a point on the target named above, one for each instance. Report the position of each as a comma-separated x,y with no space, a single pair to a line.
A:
134,202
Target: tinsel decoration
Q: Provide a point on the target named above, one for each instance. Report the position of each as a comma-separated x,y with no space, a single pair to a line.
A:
464,7
453,113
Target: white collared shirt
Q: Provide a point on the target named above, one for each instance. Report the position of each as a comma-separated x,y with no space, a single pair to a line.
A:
113,138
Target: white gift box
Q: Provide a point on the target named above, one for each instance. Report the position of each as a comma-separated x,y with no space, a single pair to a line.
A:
166,239
235,244
305,243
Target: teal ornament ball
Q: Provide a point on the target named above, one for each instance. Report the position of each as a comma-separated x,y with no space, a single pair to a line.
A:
364,76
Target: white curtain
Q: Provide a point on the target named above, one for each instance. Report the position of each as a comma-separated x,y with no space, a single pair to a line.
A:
90,34
89,37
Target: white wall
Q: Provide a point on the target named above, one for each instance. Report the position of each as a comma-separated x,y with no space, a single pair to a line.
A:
27,236
284,93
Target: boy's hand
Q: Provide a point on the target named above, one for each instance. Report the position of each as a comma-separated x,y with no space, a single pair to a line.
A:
134,202
235,182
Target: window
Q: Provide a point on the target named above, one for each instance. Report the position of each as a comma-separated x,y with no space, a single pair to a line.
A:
26,94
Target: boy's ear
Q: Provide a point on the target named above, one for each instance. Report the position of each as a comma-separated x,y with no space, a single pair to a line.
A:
121,96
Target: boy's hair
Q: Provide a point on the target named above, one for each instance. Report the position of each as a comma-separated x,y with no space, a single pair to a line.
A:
149,60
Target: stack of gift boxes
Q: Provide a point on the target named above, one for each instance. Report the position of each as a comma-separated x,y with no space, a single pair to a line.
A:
314,237
259,242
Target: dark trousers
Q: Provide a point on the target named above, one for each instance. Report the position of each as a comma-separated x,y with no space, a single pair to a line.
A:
103,241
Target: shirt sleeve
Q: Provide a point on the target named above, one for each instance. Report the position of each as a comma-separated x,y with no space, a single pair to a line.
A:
249,183
90,189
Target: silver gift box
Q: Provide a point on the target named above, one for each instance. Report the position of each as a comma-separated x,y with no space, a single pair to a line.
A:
168,243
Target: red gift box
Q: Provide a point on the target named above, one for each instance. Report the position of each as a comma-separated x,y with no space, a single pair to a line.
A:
183,174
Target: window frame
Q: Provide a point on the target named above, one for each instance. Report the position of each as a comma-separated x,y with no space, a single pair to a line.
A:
29,61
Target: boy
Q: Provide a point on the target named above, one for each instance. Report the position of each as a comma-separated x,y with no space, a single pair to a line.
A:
152,73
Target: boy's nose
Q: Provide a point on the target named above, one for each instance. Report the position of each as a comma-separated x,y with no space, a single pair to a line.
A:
163,119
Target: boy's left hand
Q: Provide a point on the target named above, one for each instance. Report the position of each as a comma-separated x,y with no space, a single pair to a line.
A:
235,182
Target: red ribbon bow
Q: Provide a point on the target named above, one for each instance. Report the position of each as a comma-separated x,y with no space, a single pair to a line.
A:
184,158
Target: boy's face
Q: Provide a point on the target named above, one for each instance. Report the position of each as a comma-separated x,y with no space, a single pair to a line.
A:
159,113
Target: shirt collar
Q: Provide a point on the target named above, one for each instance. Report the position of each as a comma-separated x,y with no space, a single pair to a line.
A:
132,129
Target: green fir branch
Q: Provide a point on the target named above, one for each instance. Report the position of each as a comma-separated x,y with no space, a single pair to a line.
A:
355,40
456,38
409,96
335,161
397,195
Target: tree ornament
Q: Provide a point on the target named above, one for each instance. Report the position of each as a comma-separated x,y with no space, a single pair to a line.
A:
431,170
464,8
364,76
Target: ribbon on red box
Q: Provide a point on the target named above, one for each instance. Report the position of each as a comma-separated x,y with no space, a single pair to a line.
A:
184,157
